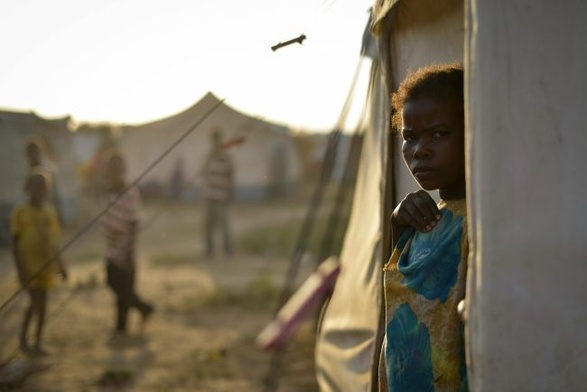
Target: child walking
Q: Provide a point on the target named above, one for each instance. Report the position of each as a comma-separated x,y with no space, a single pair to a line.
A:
425,277
35,232
120,226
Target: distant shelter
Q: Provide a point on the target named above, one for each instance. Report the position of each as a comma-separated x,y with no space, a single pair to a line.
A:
266,159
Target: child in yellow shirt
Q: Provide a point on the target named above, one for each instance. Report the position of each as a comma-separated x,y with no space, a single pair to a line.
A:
35,231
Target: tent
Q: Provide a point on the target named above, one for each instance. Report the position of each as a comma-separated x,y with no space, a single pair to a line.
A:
267,162
525,92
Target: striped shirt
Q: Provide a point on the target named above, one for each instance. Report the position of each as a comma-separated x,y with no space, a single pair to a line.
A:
117,226
218,177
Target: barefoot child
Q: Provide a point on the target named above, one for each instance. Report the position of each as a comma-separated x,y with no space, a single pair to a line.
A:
425,276
35,232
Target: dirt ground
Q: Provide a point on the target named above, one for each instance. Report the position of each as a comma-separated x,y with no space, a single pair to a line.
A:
208,312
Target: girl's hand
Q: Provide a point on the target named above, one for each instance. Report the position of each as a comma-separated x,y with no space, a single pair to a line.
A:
417,210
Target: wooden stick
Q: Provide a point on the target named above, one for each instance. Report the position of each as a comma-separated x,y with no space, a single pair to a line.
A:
299,40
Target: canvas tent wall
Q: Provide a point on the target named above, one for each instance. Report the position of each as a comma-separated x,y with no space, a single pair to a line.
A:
527,94
266,147
345,346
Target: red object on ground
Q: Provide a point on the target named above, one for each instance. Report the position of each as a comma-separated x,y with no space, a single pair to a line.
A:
300,305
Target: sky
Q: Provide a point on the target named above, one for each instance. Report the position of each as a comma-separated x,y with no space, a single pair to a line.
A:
133,61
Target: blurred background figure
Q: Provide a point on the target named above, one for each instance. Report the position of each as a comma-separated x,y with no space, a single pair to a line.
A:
35,232
177,180
35,159
120,226
217,191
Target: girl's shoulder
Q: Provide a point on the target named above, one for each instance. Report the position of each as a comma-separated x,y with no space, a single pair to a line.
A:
456,207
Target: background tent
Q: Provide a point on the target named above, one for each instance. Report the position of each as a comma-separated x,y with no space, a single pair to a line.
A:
267,162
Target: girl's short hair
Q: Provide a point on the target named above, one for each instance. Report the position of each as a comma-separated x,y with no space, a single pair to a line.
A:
435,80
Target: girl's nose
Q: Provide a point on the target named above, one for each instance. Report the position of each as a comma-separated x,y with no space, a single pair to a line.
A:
422,150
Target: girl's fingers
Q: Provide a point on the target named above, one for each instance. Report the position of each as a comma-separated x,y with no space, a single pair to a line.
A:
415,218
427,206
420,211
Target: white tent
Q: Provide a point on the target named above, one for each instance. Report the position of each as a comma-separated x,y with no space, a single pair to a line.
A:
527,94
526,90
266,146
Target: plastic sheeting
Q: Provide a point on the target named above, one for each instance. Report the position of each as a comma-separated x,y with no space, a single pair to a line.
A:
345,348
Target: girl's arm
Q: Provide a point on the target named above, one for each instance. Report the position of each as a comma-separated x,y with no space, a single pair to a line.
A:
417,210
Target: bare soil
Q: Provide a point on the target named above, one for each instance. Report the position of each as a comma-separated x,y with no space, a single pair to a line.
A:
202,334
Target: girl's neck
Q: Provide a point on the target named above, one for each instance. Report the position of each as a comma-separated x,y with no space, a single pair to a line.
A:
456,192
453,196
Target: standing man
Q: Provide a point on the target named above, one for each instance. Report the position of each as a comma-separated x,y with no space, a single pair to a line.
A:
217,190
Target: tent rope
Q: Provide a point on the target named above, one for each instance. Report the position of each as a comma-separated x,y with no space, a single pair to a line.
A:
92,221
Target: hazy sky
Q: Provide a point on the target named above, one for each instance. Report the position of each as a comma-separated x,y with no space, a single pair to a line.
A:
133,61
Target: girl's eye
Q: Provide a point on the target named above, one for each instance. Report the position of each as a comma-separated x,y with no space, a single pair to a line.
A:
408,137
439,134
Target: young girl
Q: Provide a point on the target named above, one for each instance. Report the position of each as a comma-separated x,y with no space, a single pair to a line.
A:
35,230
425,276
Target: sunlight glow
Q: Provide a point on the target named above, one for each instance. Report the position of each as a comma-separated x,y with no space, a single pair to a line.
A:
133,61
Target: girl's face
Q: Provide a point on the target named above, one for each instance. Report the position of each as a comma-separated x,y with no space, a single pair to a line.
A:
433,144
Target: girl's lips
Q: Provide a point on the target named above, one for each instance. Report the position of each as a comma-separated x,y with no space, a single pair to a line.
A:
423,173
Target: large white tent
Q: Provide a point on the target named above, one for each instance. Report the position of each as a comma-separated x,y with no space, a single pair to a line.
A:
265,147
525,91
